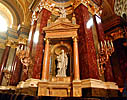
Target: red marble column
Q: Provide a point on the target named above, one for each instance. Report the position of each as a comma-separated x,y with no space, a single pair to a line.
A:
101,36
16,68
39,46
99,28
31,35
4,61
87,52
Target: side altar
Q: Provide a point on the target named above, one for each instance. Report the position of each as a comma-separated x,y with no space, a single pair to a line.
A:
60,74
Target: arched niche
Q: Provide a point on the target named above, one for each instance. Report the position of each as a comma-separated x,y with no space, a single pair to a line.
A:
55,51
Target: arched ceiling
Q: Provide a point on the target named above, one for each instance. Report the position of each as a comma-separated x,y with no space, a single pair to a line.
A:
24,4
5,12
19,10
15,10
21,14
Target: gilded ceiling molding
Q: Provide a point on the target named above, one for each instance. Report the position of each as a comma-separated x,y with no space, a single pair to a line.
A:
93,8
69,6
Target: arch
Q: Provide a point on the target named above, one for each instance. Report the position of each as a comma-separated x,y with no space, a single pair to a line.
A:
68,50
18,16
5,12
62,44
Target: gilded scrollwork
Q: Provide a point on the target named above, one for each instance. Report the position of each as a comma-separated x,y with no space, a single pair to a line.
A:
69,7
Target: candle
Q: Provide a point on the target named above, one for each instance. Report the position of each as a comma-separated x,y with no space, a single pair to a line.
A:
22,47
101,44
108,43
105,43
112,44
98,47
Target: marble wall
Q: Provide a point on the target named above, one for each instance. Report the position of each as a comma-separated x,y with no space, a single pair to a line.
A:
87,52
38,43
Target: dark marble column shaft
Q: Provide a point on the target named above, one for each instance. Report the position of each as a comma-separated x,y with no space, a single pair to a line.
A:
16,68
4,61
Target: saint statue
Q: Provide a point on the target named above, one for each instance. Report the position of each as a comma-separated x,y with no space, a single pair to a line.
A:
62,64
63,12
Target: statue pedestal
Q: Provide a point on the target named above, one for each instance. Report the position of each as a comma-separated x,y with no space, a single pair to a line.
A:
58,86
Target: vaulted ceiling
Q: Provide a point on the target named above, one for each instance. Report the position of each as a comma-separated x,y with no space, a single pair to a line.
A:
21,13
18,10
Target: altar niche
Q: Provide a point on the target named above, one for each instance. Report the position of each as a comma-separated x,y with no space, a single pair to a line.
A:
61,60
60,57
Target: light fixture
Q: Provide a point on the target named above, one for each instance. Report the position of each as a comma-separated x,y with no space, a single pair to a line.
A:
105,49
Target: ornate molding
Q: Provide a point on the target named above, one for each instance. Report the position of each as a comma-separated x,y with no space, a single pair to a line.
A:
22,40
9,43
71,5
93,8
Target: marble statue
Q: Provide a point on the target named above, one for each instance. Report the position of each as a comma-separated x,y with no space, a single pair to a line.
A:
63,12
62,64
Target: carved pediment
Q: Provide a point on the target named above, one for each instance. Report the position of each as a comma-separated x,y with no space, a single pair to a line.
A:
61,28
61,25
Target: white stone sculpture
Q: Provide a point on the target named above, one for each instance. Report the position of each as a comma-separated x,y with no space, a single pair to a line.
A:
62,64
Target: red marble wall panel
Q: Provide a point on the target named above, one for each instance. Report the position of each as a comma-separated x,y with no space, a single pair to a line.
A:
108,72
118,75
44,16
87,53
119,68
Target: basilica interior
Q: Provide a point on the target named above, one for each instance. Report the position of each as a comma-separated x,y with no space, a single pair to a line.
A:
63,49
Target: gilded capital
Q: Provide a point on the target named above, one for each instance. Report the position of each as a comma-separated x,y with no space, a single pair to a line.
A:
75,39
9,43
46,40
22,40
